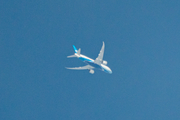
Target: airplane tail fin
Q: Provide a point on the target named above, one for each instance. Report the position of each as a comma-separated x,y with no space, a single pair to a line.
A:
76,54
75,50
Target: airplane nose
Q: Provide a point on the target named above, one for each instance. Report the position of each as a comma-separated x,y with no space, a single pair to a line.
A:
110,71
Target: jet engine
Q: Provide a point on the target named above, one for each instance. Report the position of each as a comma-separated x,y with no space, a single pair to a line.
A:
91,71
104,62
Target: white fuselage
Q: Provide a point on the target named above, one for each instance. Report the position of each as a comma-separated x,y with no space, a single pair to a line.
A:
93,64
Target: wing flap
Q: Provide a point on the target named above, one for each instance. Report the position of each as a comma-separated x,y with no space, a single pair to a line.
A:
81,68
99,59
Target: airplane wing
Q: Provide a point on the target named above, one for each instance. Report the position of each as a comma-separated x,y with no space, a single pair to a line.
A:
99,59
81,68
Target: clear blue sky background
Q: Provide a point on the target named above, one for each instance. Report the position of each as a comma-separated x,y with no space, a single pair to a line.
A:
142,41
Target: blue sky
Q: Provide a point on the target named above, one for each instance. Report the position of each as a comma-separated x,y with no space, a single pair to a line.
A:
142,49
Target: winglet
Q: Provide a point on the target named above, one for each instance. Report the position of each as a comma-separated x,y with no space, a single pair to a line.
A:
75,50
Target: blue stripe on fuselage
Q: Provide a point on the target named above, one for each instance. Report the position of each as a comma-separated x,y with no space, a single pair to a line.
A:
93,64
84,59
90,62
106,71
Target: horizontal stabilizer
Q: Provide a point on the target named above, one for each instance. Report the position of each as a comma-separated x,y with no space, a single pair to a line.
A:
79,51
71,56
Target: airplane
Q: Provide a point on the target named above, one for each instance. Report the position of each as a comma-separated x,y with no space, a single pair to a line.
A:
98,63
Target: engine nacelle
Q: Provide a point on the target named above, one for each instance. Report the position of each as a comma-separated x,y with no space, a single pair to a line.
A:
91,71
104,62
